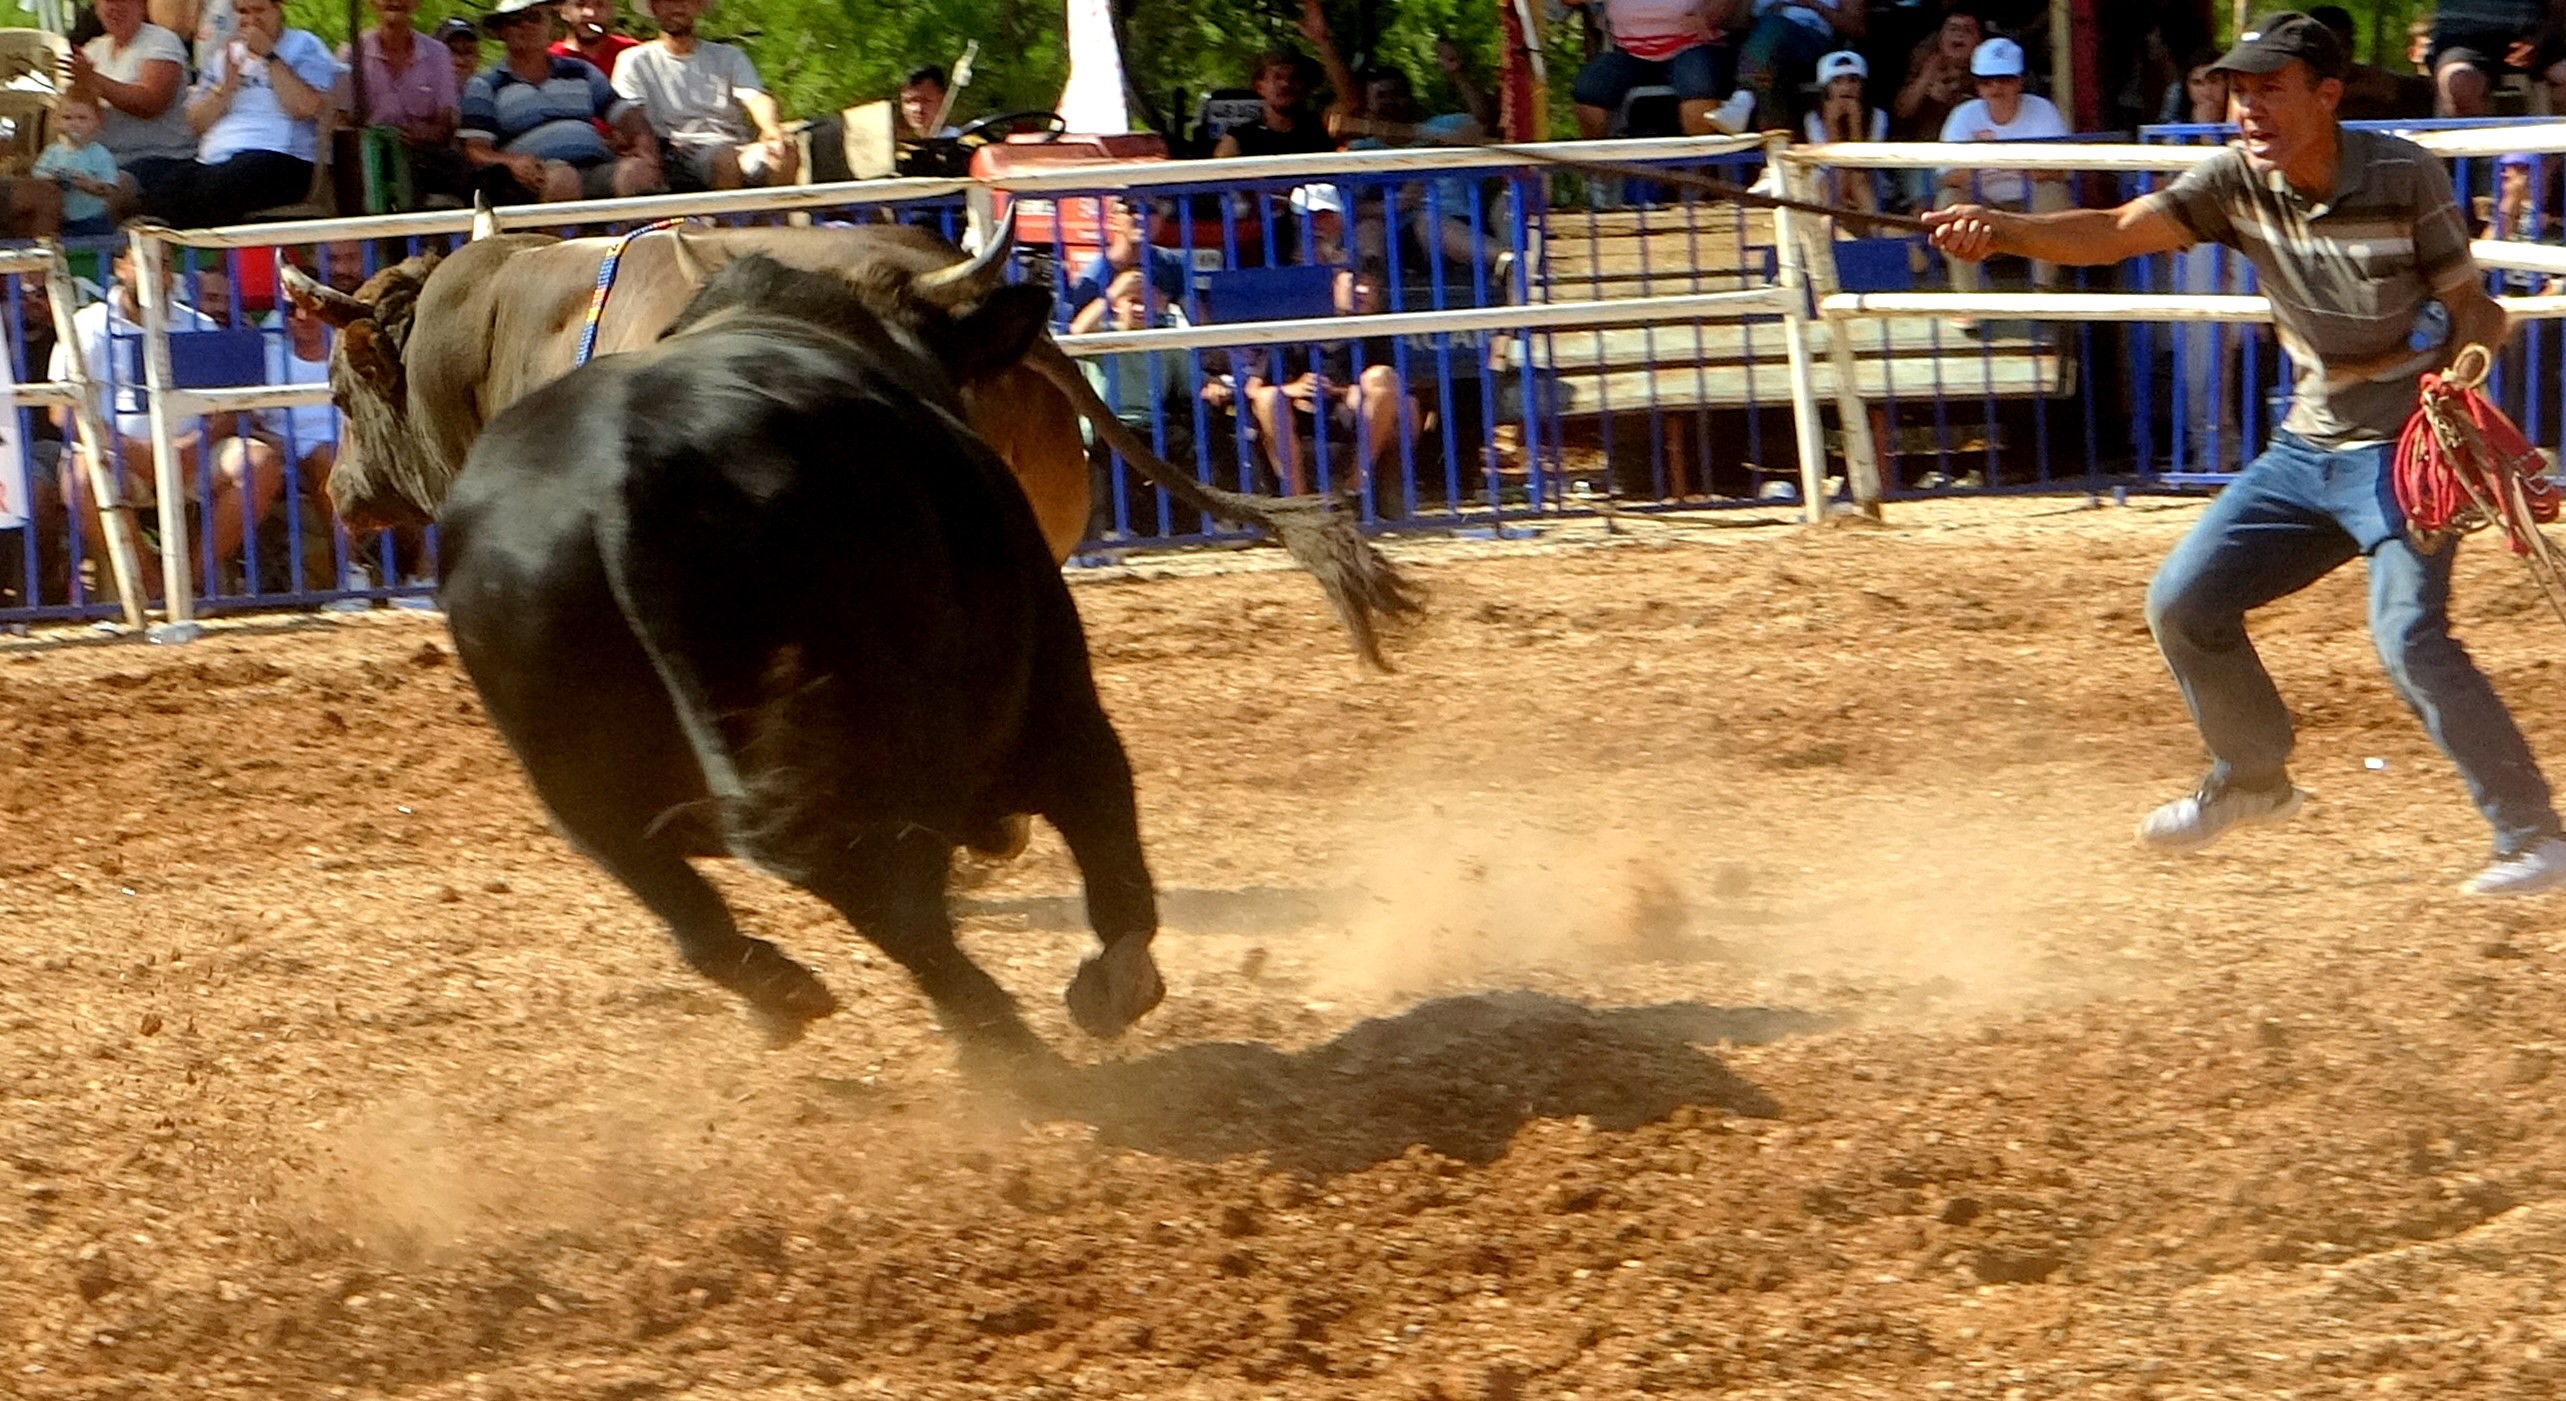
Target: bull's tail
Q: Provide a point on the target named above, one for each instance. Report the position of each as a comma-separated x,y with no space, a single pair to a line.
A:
646,591
1364,587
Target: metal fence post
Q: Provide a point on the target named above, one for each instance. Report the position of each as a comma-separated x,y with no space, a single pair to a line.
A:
169,475
97,462
1861,454
1790,255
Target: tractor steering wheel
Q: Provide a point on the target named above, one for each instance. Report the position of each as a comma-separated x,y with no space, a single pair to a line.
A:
1051,124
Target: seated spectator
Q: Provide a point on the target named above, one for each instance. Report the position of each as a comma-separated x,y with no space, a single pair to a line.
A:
592,36
2475,43
1381,104
1126,248
1284,126
244,475
531,123
2002,111
1653,43
84,169
1842,115
2518,213
463,42
2371,93
1785,41
922,99
2200,96
410,85
306,435
1937,82
1147,390
256,111
1292,390
716,124
138,72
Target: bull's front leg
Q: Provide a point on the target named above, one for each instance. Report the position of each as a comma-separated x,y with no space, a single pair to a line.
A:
1091,804
891,886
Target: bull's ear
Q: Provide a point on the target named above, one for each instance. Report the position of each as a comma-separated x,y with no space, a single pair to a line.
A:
329,303
998,329
361,345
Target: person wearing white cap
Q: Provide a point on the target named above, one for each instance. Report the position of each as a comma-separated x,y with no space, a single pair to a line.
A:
1785,41
1841,115
2002,111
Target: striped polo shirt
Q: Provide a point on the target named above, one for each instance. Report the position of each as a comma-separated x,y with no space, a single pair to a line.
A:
2347,275
555,120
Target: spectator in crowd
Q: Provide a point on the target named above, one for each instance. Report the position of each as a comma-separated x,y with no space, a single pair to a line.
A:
1668,43
717,126
84,168
2002,111
2371,93
1290,390
1147,390
2419,44
410,84
1378,108
1937,82
2477,42
306,435
2518,213
531,123
1843,115
1785,41
1126,249
256,111
139,73
463,42
922,97
244,475
1284,125
593,36
1322,208
1938,78
2200,95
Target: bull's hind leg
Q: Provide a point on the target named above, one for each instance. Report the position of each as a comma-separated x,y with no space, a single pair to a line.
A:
892,888
782,995
1090,802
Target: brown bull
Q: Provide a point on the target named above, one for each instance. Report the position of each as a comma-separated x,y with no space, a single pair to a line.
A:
431,350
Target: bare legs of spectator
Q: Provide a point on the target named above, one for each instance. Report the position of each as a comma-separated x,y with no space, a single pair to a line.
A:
1376,399
247,475
727,167
2461,90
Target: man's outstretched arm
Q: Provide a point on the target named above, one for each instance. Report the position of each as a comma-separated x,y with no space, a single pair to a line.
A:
1971,232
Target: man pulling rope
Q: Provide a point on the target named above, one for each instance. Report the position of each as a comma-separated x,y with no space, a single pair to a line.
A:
2355,235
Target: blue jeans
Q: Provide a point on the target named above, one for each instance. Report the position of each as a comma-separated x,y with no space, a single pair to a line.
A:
1608,77
2296,514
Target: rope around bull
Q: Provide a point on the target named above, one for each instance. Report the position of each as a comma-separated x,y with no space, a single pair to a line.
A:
2462,466
606,287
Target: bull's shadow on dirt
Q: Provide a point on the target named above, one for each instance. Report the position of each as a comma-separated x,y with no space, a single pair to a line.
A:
1458,1075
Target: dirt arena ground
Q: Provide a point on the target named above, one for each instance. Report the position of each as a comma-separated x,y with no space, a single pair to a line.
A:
1717,964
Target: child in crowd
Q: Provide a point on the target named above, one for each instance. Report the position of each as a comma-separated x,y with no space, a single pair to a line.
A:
1842,115
83,166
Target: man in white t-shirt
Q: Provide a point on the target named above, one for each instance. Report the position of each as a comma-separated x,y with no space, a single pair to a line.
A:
256,111
2002,111
109,337
716,123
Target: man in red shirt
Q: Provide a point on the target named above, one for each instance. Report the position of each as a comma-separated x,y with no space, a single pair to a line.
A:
592,34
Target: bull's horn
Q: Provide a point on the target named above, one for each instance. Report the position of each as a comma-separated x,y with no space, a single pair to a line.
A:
690,264
1002,241
485,220
334,306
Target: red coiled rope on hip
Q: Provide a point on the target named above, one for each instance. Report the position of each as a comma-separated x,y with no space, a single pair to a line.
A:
2462,465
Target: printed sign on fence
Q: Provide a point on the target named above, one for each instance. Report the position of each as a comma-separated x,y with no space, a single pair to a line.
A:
15,510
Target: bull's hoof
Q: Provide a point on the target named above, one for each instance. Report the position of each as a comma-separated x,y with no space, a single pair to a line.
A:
1115,988
783,996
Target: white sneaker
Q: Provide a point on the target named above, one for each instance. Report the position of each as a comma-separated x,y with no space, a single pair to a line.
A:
1734,115
2199,818
2542,867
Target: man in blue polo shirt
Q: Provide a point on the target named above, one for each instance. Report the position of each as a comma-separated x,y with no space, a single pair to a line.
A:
531,123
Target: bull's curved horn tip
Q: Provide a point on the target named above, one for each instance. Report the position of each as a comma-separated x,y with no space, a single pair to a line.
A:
1002,242
485,220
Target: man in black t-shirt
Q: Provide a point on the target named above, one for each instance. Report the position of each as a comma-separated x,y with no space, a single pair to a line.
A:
2477,42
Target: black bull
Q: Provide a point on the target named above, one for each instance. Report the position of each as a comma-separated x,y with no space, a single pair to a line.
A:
706,627
432,349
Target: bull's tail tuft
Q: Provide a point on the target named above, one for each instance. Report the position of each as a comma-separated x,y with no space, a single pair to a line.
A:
1364,587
